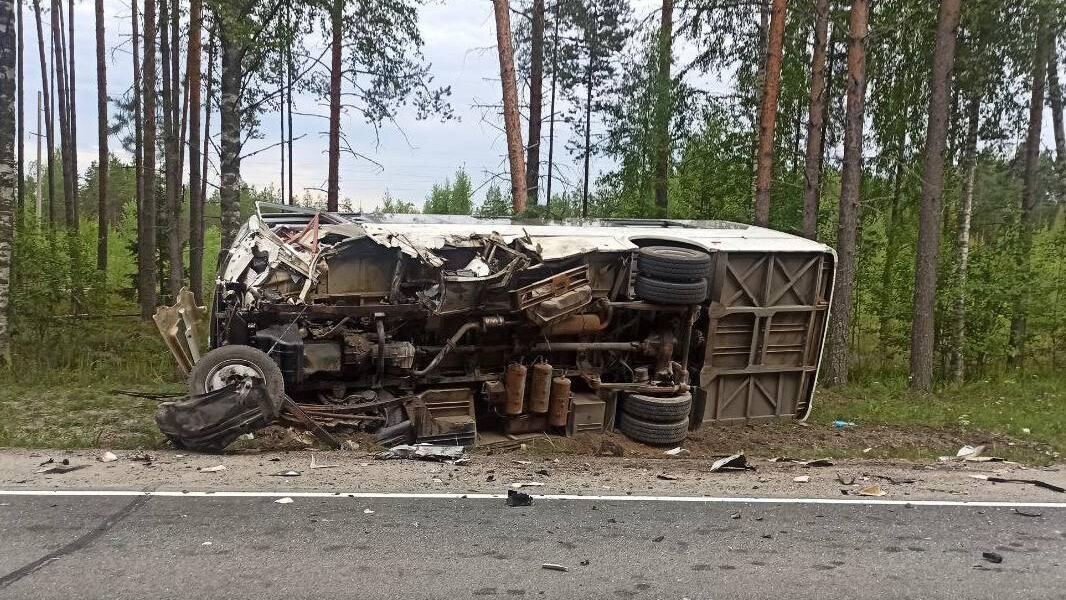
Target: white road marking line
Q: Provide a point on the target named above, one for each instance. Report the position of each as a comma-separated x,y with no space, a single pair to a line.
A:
475,496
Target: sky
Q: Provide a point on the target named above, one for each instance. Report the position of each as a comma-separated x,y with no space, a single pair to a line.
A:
414,155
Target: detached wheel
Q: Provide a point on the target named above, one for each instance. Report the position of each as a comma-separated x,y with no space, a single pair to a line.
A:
673,264
658,410
660,291
228,364
656,434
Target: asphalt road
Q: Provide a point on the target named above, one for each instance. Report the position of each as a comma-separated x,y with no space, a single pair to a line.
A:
227,547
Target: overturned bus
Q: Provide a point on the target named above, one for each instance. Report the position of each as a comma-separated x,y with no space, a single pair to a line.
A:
454,329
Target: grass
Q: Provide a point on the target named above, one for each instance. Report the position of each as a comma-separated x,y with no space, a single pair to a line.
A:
62,392
1028,411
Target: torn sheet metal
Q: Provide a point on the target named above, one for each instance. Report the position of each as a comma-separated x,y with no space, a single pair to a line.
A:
183,326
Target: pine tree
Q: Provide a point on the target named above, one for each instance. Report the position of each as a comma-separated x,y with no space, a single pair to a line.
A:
850,180
929,219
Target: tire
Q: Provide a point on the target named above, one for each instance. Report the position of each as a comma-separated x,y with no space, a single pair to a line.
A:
208,372
658,410
656,434
660,291
672,263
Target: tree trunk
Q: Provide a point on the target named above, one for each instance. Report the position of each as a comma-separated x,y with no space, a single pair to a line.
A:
551,117
281,130
764,168
958,329
138,124
588,134
211,51
511,119
40,183
536,102
103,156
230,147
8,183
20,109
816,115
892,227
930,213
1029,197
1055,97
53,216
289,68
850,182
168,225
175,159
196,201
72,107
663,108
146,247
336,50
63,109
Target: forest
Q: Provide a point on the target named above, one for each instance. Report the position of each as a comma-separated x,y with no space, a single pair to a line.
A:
924,141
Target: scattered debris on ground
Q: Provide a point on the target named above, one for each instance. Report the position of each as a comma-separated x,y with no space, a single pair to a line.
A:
107,457
285,500
516,498
895,480
214,469
971,454
60,467
1038,483
992,557
872,490
802,479
733,462
315,465
554,567
423,452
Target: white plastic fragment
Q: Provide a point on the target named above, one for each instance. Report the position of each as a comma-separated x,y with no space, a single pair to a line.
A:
214,469
367,511
801,478
285,500
679,451
108,456
521,484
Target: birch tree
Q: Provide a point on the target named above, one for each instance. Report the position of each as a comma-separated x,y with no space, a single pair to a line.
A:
8,172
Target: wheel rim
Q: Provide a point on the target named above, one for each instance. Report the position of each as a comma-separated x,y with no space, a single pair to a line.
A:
229,372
